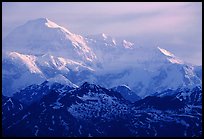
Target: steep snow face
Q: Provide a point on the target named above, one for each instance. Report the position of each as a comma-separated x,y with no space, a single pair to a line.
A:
165,52
62,80
127,44
28,60
146,81
171,57
51,24
21,70
111,52
60,63
44,36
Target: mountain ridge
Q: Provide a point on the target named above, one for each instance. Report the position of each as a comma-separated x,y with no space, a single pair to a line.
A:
45,50
92,110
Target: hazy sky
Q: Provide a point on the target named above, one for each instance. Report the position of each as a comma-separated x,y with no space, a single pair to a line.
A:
176,27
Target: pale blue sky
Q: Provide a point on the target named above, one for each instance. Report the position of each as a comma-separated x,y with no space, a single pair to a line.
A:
176,27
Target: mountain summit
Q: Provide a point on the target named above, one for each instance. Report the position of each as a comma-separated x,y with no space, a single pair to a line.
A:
43,36
41,50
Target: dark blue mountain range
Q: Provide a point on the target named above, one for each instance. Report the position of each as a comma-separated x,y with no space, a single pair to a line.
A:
90,110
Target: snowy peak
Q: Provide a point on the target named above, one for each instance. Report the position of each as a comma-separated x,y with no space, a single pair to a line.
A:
48,49
101,40
39,21
104,40
165,52
28,60
101,36
127,44
48,23
170,56
104,35
42,36
51,24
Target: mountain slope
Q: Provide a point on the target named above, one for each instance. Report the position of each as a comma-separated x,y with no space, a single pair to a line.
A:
56,113
34,93
41,50
126,92
43,36
21,70
91,110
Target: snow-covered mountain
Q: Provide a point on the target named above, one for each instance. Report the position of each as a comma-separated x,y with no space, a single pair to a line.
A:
21,70
41,50
42,36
